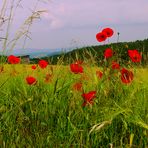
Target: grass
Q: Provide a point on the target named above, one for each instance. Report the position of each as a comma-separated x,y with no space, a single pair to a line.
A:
51,114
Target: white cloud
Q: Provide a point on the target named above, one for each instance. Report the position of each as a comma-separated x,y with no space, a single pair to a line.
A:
91,12
53,21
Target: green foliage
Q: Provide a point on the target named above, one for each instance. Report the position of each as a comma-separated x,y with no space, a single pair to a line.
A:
51,114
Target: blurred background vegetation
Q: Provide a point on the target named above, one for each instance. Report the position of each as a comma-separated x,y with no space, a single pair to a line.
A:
97,52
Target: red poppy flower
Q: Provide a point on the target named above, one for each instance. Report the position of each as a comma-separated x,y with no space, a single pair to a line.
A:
88,98
108,31
134,55
108,53
43,64
77,86
31,80
33,66
76,68
126,76
115,65
101,37
13,59
99,74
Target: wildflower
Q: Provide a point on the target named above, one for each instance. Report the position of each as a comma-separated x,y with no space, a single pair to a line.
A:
13,59
108,53
43,64
126,76
76,68
115,65
88,98
101,37
108,31
77,86
99,74
31,80
134,55
33,66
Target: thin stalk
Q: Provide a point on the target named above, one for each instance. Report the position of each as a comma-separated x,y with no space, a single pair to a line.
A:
8,26
29,26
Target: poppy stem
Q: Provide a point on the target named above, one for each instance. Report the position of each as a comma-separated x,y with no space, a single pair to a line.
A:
118,37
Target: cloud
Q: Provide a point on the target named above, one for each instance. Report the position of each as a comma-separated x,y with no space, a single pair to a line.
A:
53,21
92,12
85,13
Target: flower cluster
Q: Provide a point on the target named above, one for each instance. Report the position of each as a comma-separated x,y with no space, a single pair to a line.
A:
31,80
104,34
126,76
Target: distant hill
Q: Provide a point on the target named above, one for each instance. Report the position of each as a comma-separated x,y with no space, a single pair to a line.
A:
33,53
97,52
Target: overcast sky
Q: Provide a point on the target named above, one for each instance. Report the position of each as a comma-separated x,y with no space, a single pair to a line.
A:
74,23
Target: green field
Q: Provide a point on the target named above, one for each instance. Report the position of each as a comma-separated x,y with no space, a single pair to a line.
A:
90,97
50,114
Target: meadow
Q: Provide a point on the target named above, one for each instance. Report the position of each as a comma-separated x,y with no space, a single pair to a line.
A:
75,105
94,98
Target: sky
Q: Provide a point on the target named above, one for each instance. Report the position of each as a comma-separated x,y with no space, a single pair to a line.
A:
75,23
